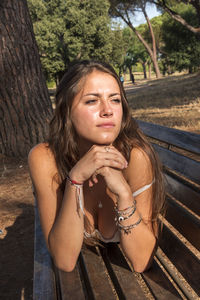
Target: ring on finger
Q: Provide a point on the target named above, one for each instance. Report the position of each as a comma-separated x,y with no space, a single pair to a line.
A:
107,149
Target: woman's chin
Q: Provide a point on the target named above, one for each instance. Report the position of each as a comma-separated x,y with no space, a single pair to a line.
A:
107,141
100,140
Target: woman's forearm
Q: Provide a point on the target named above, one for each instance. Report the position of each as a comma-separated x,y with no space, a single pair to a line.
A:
66,236
138,245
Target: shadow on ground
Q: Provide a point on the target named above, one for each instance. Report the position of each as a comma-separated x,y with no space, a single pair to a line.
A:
16,257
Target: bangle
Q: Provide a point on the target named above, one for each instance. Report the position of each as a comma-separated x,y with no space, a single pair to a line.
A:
125,213
79,192
127,229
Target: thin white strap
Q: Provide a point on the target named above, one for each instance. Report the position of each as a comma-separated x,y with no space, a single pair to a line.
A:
142,189
79,193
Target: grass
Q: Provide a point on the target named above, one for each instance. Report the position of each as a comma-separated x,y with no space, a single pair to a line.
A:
172,101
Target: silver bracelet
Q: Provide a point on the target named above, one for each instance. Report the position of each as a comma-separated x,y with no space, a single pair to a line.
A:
127,229
120,218
121,214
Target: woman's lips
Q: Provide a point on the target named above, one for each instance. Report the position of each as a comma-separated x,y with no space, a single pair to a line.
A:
106,125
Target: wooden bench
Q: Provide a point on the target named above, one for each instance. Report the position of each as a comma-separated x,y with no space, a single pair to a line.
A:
104,273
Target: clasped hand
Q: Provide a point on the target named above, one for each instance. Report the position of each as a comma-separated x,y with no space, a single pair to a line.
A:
106,161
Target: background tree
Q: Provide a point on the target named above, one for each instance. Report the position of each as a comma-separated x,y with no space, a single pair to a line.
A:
126,10
119,47
129,58
25,107
68,30
170,6
181,48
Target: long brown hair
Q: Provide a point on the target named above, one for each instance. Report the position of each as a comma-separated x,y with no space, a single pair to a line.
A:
63,139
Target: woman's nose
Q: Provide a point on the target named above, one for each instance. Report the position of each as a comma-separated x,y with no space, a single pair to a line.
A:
106,109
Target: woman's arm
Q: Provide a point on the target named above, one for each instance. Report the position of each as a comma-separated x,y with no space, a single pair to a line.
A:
61,223
140,243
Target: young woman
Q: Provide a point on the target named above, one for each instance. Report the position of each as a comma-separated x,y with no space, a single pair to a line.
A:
97,178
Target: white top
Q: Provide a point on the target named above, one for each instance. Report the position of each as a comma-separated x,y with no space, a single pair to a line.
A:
116,236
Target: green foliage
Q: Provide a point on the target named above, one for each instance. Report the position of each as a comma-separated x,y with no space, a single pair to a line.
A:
181,48
173,8
125,48
118,48
68,30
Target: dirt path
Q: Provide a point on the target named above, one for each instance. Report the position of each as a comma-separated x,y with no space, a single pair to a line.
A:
17,229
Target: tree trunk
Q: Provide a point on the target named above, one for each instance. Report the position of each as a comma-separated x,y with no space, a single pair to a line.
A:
152,53
144,70
25,106
149,70
130,71
154,50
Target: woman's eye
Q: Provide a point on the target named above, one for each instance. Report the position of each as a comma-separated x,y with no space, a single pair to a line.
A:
91,101
117,100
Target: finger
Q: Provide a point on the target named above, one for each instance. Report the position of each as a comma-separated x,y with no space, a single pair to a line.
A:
94,178
114,160
116,164
108,149
113,150
90,183
100,157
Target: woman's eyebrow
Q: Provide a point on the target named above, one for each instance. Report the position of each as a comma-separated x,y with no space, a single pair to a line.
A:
98,95
114,94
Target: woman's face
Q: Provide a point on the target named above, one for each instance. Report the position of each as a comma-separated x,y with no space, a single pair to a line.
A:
97,109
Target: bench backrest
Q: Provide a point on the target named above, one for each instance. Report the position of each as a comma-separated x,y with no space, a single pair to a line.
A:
179,152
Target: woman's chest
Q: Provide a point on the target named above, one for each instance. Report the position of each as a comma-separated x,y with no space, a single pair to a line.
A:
99,210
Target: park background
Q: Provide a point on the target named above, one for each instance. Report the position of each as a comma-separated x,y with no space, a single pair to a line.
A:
38,41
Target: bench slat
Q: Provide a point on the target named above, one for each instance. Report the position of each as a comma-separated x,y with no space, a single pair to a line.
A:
179,163
184,194
185,140
44,286
184,260
159,284
181,284
124,280
96,273
70,285
184,224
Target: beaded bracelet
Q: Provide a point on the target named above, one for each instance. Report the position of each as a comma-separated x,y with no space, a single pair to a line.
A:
126,210
127,229
126,213
79,192
121,214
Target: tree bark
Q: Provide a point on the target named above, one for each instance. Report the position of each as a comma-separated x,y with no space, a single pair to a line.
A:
144,70
154,50
149,70
25,106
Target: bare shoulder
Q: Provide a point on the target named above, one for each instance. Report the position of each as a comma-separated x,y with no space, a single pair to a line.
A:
41,159
40,153
38,150
139,170
139,156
